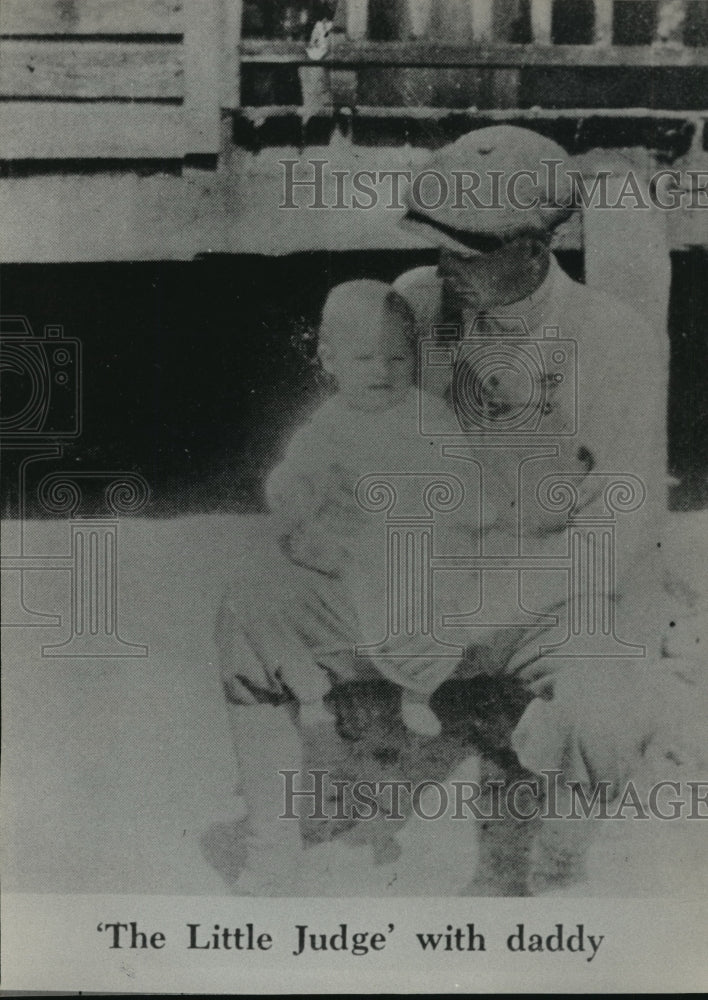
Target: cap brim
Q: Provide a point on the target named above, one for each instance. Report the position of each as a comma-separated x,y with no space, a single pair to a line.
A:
431,234
444,235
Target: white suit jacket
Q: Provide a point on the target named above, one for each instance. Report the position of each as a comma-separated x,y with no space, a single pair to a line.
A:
620,400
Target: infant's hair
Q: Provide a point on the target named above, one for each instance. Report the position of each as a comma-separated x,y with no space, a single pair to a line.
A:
352,298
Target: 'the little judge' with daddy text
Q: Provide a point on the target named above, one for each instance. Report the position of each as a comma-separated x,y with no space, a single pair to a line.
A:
560,938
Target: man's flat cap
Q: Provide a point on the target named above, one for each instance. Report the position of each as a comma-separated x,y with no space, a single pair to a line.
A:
489,186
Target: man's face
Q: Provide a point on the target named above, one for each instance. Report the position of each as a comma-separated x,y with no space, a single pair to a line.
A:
373,363
475,280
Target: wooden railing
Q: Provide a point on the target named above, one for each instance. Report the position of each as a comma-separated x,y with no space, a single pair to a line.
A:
459,23
358,54
450,36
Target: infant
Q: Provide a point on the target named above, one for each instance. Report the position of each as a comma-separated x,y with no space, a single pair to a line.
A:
370,425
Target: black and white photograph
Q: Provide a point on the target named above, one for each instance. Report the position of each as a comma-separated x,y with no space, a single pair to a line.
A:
354,435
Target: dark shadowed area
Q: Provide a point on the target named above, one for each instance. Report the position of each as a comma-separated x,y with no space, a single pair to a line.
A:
194,373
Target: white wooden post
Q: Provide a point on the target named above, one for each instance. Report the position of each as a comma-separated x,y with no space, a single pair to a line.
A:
482,19
202,69
351,21
419,17
356,19
604,13
541,15
671,16
232,14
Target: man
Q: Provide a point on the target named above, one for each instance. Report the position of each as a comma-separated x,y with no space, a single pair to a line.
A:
599,391
598,425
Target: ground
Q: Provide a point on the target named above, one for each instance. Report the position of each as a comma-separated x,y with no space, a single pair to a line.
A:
118,773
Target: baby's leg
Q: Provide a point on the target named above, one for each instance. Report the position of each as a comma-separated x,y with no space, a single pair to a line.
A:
279,623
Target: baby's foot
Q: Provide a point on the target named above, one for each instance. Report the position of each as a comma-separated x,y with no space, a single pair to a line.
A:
420,718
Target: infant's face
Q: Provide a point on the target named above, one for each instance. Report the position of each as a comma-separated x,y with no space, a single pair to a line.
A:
373,363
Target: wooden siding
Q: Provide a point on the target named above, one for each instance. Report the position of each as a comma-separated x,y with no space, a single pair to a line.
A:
91,17
91,70
113,79
49,130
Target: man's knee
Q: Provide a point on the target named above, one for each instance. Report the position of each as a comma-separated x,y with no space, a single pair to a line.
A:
597,723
